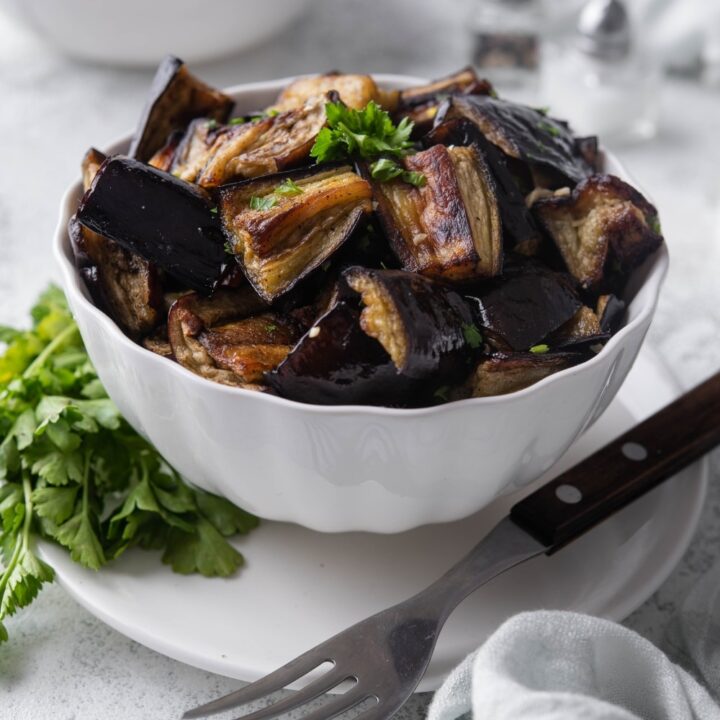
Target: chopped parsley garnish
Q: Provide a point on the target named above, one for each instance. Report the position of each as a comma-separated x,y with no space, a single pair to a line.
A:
655,225
539,349
214,210
365,133
229,248
212,124
271,327
263,203
442,393
386,169
548,128
288,188
472,335
238,121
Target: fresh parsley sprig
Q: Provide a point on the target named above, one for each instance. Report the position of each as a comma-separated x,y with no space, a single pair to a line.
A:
368,133
73,471
386,169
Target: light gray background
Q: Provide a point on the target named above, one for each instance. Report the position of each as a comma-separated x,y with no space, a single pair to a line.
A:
61,662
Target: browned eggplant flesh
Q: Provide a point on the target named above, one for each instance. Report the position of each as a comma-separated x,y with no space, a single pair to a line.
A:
355,243
503,373
280,237
604,223
450,227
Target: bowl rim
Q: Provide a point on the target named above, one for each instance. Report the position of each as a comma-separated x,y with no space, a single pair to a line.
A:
72,283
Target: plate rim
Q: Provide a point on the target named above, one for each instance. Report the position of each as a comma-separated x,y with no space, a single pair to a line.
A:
620,606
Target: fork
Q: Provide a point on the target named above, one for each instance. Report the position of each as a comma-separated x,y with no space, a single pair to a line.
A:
385,656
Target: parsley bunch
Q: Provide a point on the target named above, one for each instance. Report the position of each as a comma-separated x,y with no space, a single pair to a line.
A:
73,471
368,133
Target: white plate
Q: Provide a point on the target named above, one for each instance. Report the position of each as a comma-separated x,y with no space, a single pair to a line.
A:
300,587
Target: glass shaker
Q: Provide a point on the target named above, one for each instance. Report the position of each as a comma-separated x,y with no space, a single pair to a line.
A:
506,42
600,79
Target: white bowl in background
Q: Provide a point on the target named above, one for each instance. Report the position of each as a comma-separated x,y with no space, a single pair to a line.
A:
141,32
342,468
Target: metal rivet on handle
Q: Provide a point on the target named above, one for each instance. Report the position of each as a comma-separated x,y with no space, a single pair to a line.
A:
634,451
568,494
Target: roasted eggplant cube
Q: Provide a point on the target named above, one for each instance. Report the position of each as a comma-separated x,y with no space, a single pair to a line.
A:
424,326
582,332
420,103
520,231
450,227
610,311
604,227
124,284
521,132
282,227
193,150
271,144
503,373
522,309
163,219
222,338
356,91
176,97
336,363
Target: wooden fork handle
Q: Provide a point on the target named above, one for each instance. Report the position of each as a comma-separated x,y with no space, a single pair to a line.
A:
622,471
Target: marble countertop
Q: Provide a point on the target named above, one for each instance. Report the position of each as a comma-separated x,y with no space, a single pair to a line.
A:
63,663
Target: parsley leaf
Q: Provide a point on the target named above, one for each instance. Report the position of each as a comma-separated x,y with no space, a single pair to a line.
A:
73,470
365,133
288,188
539,349
262,203
386,169
472,335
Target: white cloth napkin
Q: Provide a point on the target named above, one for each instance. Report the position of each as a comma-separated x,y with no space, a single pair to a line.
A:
564,666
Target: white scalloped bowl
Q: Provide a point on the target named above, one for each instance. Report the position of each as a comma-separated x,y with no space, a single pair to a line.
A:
344,468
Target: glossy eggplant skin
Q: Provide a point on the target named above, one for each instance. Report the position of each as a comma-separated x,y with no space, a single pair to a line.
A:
336,363
125,285
423,325
524,307
163,219
518,224
521,132
582,332
176,97
610,311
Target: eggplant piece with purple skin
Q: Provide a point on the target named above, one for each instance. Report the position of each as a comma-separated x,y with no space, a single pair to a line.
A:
449,228
161,218
176,97
426,327
581,333
390,337
521,309
603,229
610,310
503,373
518,224
521,132
420,103
124,284
336,363
282,227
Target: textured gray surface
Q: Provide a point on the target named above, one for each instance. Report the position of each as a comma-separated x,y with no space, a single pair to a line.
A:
61,662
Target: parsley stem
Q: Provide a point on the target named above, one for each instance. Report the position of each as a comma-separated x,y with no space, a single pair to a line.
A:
55,344
21,543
